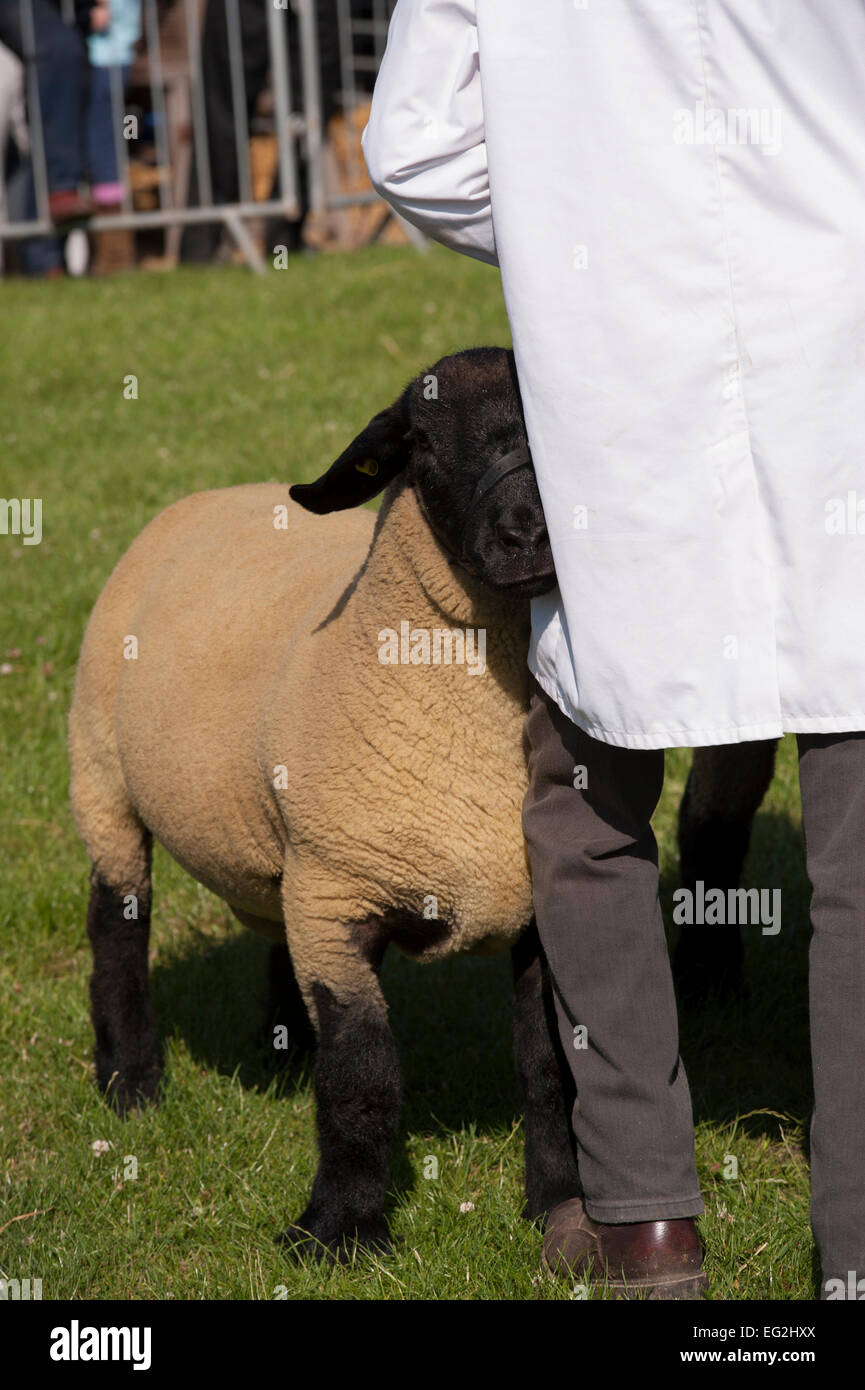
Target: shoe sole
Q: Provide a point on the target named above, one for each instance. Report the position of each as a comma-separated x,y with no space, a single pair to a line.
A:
687,1286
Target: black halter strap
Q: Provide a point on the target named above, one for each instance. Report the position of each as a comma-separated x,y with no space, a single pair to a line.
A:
508,463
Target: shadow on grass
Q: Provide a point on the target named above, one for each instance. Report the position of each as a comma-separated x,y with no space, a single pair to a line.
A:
452,1020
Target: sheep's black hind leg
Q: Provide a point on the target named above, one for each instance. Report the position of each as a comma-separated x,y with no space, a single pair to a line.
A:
286,1018
128,1057
722,796
546,1081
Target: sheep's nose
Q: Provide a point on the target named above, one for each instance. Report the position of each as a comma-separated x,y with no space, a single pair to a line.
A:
521,537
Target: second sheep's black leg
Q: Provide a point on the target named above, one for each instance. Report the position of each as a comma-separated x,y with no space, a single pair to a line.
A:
128,1055
546,1082
286,1018
725,788
358,1093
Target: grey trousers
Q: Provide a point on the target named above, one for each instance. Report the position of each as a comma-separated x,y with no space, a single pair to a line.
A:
594,868
832,783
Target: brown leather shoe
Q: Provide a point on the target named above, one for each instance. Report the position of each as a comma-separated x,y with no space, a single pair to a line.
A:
67,205
658,1259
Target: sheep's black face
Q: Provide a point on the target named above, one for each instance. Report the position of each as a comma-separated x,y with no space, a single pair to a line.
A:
448,428
466,414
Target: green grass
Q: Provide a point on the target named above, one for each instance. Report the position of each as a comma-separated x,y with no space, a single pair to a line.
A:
242,379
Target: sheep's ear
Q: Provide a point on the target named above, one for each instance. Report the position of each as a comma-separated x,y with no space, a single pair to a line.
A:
363,469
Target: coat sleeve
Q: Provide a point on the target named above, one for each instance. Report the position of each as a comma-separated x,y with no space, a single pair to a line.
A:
424,141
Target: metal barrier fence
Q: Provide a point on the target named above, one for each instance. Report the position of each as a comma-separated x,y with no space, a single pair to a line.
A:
358,28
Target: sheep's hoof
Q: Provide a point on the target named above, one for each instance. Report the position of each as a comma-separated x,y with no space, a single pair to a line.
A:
130,1093
321,1242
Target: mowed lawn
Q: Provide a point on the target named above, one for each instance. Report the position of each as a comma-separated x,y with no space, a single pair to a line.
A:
243,379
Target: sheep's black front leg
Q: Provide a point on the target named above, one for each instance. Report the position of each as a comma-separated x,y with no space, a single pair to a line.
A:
546,1081
128,1056
722,796
358,1094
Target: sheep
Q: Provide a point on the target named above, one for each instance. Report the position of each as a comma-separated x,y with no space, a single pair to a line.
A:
723,793
240,697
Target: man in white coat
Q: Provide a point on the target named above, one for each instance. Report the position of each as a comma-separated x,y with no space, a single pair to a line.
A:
674,192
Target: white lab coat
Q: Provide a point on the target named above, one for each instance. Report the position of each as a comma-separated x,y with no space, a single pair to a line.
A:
674,191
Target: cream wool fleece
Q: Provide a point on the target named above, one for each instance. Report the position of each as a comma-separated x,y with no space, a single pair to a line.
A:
261,740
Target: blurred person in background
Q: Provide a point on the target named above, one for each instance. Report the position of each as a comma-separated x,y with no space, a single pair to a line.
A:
14,140
61,66
110,47
200,243
62,78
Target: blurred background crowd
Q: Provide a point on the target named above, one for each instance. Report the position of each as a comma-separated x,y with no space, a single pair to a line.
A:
98,100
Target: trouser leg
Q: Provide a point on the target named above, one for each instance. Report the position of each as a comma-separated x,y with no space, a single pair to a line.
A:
832,782
101,141
594,868
61,67
39,254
